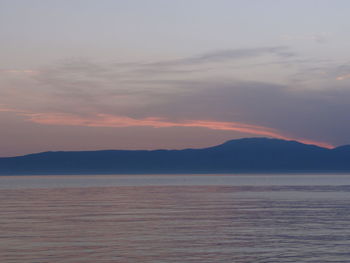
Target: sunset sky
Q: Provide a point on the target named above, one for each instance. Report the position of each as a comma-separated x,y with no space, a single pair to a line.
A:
147,74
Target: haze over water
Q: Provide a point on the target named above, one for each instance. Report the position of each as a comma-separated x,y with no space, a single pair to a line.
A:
170,218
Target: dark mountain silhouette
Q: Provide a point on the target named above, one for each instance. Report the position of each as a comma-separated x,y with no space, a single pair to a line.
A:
236,156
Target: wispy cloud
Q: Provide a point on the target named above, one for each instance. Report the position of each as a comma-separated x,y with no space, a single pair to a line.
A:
320,38
112,121
343,77
220,56
3,108
196,91
20,71
103,120
81,83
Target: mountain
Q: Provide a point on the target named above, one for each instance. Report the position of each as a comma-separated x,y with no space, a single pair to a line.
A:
236,156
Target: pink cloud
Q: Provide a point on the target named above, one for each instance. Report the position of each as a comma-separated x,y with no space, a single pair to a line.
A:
106,120
343,77
20,71
18,112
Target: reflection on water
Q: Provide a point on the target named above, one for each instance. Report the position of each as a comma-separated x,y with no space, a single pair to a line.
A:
214,223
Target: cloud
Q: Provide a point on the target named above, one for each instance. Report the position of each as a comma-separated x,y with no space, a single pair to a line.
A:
20,71
106,120
233,54
82,85
320,38
3,108
343,77
322,73
189,92
224,56
6,110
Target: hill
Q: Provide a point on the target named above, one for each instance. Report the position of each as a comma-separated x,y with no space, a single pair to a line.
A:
247,155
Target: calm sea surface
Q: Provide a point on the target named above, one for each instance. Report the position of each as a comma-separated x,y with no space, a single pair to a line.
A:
175,218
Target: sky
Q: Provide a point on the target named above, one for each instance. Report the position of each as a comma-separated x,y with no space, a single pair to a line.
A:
136,74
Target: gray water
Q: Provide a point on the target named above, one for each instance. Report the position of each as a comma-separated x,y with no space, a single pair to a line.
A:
192,218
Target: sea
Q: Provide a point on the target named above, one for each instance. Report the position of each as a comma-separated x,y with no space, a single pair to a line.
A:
175,218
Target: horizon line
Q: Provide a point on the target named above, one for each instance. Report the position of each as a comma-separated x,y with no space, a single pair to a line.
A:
174,149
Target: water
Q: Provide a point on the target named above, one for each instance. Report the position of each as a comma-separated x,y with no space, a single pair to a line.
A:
247,218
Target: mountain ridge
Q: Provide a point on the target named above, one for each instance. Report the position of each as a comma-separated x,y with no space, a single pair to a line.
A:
233,156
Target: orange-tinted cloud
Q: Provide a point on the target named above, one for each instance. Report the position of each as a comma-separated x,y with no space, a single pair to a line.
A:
343,77
18,112
20,71
106,120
